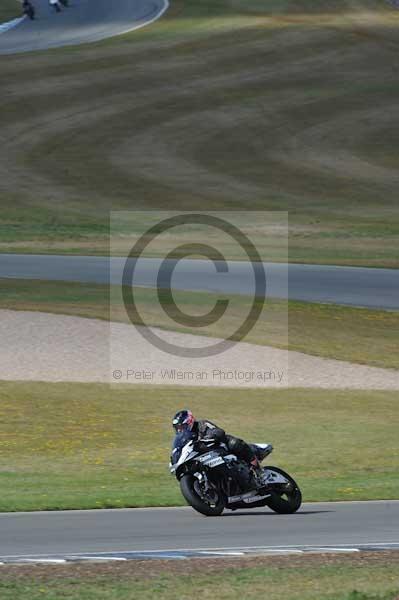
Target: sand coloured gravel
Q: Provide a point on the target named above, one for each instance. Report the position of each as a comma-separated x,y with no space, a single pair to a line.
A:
46,347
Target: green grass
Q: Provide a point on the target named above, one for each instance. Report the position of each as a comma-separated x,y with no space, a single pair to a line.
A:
65,446
9,9
222,104
307,578
351,334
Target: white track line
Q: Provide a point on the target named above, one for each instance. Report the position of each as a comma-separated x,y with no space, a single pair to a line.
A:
157,16
55,561
327,549
11,24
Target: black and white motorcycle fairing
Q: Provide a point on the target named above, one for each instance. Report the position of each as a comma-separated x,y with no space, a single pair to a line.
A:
212,479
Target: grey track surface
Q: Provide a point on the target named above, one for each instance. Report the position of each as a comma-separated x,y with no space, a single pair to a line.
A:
354,286
81,22
325,523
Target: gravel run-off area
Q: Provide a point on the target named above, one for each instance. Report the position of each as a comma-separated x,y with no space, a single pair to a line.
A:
46,347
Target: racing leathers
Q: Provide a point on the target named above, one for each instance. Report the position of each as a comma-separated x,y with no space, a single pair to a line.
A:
206,430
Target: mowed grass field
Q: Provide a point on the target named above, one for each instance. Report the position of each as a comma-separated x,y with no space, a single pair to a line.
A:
65,446
9,9
222,104
367,576
351,334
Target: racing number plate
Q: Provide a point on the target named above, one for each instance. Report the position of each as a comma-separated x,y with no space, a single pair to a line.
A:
211,459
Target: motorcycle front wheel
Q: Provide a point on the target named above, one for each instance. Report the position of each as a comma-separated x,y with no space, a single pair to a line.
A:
287,499
209,509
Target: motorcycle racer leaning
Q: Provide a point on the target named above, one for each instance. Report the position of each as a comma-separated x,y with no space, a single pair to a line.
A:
202,429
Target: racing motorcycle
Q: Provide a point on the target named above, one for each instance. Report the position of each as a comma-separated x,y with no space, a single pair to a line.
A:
212,479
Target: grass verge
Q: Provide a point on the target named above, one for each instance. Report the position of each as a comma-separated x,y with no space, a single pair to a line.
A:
324,577
9,9
351,334
65,446
223,105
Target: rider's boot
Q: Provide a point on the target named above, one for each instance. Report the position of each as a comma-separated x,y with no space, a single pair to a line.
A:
258,473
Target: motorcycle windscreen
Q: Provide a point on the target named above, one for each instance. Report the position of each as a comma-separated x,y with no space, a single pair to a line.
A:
181,439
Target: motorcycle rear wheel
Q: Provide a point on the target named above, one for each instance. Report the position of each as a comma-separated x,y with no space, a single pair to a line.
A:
194,500
287,502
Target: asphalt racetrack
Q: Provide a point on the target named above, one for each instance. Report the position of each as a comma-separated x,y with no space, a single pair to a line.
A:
168,529
81,22
353,286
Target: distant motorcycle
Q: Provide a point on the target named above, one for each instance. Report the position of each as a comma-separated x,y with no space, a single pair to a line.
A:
212,479
29,10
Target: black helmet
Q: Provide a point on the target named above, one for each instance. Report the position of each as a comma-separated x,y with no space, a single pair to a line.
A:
183,421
